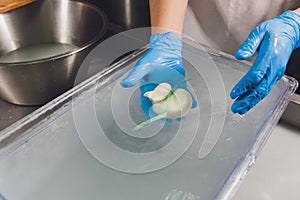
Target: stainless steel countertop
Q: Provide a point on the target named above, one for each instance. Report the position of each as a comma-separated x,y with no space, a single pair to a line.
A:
11,113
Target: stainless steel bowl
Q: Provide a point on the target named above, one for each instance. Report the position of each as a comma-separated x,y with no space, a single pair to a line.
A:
126,13
35,82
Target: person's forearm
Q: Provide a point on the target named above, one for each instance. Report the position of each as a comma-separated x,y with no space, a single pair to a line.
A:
167,15
297,10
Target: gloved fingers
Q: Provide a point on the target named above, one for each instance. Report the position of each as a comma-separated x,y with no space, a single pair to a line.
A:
194,102
147,86
174,64
250,46
146,105
275,72
259,68
260,79
137,73
249,99
165,74
254,75
279,57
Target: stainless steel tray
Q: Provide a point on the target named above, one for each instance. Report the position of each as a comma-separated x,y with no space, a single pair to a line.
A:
80,145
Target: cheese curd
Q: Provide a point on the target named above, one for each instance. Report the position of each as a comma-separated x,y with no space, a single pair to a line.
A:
176,105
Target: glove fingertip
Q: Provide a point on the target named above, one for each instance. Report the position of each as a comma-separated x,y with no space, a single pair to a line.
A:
234,108
129,81
236,91
243,111
243,53
239,109
194,103
135,75
239,55
250,46
233,94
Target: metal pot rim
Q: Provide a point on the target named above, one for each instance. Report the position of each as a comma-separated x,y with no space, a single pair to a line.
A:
68,53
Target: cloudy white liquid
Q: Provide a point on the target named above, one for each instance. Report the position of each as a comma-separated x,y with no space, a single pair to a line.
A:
36,52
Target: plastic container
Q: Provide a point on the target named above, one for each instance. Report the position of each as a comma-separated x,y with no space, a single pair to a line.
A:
81,145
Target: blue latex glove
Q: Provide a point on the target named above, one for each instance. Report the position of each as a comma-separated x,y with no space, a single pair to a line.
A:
274,40
161,63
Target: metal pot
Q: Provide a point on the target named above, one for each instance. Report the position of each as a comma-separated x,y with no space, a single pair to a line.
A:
36,82
126,13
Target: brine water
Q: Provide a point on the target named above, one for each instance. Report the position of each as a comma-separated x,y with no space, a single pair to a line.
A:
36,52
87,153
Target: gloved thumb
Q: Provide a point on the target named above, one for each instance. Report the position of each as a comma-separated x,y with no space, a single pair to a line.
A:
250,46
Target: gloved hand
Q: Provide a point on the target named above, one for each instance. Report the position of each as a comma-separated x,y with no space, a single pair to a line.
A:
274,40
161,63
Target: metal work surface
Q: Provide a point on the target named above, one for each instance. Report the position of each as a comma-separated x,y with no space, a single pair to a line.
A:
11,113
